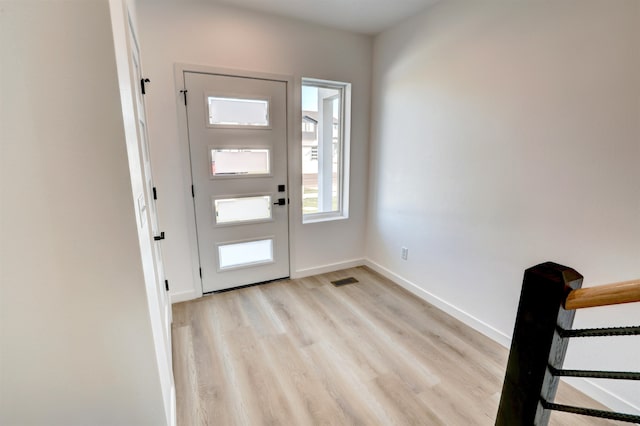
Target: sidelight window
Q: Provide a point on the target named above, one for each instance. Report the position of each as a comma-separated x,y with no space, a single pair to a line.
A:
326,107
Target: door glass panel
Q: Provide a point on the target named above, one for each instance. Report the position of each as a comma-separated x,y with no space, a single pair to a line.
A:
245,254
225,162
238,112
234,210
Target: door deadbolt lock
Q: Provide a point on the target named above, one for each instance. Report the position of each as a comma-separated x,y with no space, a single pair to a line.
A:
280,202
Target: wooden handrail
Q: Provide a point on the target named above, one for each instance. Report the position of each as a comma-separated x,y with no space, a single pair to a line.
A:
603,295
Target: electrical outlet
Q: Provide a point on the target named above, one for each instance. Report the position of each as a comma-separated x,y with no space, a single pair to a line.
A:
404,253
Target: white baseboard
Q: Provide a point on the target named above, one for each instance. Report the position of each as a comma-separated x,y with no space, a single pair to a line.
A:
173,419
442,304
603,396
585,386
323,269
183,296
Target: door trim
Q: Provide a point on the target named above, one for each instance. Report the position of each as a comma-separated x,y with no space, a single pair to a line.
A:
185,158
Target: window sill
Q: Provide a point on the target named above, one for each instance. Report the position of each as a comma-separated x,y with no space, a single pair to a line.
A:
320,217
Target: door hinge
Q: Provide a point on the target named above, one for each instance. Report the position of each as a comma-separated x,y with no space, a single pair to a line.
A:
193,192
166,285
142,85
184,92
155,193
200,272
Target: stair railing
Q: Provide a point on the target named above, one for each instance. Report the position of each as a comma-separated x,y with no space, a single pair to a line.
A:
550,294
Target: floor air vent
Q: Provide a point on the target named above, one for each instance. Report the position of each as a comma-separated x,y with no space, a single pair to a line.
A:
344,281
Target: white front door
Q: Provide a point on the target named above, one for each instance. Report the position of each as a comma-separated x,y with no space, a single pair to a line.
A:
238,147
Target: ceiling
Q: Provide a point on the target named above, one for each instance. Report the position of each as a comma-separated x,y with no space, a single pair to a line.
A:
361,16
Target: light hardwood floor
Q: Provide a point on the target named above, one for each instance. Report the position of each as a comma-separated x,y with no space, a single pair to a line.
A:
303,352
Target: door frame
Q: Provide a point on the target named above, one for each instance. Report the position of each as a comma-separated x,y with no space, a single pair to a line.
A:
294,175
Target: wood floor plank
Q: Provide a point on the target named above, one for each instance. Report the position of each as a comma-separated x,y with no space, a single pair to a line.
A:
417,375
361,325
303,387
212,391
344,332
304,331
304,352
409,409
344,385
450,361
257,383
187,398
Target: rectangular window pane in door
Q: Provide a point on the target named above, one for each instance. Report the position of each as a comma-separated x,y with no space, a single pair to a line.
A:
245,254
233,162
243,209
225,111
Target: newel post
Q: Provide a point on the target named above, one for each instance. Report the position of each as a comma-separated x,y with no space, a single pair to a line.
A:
537,344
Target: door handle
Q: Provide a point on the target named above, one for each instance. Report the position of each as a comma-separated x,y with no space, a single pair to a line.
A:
159,237
280,202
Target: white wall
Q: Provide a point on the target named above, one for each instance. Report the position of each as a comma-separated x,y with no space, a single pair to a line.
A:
76,338
225,37
505,134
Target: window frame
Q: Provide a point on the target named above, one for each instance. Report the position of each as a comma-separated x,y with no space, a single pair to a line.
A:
233,96
344,151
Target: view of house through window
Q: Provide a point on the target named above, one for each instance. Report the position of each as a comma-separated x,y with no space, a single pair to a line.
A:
323,148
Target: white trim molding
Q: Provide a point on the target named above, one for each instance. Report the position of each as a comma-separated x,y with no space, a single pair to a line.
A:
442,304
603,396
331,267
585,386
184,296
